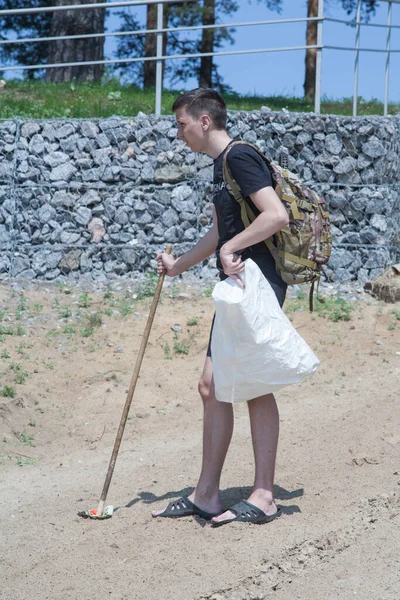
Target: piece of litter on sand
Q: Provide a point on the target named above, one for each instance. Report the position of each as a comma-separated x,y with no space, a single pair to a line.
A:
92,514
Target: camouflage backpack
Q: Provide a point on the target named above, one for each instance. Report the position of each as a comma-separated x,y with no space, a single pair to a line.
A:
301,248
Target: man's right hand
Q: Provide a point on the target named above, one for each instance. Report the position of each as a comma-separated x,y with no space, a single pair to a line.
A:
166,264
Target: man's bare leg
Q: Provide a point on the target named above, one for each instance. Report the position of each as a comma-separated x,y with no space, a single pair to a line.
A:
264,421
217,434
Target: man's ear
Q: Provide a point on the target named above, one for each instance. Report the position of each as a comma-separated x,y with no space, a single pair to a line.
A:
205,122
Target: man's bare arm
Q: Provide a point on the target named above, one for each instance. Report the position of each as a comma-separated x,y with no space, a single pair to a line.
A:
272,218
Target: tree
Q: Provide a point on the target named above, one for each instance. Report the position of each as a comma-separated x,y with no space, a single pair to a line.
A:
48,24
350,6
190,14
75,22
25,27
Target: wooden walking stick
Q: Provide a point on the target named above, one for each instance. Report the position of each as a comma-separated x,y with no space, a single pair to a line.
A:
100,513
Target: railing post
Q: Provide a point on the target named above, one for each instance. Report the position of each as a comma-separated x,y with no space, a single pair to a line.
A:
357,59
318,70
159,65
389,23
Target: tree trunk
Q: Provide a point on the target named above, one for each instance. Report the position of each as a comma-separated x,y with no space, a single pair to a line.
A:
75,22
150,46
311,53
207,44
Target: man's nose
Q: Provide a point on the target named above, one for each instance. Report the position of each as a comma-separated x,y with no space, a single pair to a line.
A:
179,135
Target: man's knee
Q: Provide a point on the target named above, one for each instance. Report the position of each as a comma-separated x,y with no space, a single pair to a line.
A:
205,387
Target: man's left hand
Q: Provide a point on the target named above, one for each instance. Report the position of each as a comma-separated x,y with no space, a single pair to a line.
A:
232,265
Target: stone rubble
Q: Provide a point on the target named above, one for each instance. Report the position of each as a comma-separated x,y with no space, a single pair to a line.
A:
96,200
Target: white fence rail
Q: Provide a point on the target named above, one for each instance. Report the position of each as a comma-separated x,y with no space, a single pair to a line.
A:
321,19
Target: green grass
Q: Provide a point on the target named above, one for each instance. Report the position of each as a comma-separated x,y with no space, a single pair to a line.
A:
147,287
192,322
332,308
7,392
38,99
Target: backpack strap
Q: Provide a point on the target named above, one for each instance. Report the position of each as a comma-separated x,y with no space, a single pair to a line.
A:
246,213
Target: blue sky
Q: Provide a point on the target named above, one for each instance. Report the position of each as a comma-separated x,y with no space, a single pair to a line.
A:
283,72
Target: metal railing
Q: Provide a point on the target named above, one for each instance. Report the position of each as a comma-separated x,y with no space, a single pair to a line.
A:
160,30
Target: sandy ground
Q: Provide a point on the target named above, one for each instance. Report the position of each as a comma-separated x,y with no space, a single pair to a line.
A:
338,471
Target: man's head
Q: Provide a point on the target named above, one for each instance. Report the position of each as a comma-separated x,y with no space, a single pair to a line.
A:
198,113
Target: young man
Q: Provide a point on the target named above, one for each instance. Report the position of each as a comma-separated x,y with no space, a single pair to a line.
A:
201,119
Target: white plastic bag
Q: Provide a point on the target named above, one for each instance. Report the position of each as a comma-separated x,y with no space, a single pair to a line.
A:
255,349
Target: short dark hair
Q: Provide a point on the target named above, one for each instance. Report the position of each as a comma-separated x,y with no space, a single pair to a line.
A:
200,101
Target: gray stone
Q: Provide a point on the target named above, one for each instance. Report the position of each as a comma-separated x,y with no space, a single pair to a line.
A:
345,166
129,256
379,222
69,238
171,174
46,213
170,218
70,261
5,234
144,218
63,172
121,216
333,143
45,260
20,264
64,131
36,145
363,161
340,258
90,197
377,259
62,199
89,129
29,129
374,148
83,215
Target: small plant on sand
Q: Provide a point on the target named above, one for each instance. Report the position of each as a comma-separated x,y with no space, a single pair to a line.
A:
65,312
20,375
180,347
25,462
7,392
69,329
207,293
167,351
94,320
26,438
192,322
21,307
108,295
5,354
147,287
49,365
334,309
37,308
87,331
84,300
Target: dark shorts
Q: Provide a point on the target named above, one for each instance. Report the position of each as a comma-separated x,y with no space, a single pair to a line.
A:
267,267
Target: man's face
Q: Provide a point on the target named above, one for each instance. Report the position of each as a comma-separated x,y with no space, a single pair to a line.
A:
192,131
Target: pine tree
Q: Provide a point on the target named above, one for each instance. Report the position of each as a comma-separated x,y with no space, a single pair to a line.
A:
350,6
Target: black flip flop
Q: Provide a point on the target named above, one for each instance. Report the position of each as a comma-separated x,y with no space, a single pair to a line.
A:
183,507
248,513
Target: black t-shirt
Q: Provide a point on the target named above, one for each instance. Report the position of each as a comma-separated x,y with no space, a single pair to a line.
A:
251,174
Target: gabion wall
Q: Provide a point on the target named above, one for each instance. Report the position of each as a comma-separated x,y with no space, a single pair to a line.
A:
97,199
